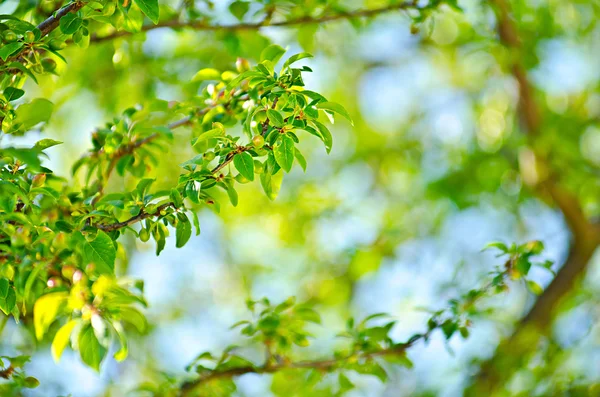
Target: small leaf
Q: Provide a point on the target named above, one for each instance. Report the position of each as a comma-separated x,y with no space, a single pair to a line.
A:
9,49
244,163
45,310
61,339
295,58
336,108
534,287
300,158
100,251
91,351
12,93
239,9
275,118
46,143
183,231
272,53
271,184
207,74
205,136
37,111
284,153
70,23
324,134
150,8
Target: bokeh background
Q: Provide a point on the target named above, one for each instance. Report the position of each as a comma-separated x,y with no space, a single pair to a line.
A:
393,220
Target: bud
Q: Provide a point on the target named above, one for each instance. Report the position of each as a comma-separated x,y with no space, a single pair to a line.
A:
54,282
242,65
218,125
57,45
38,180
68,271
209,156
259,167
31,383
144,235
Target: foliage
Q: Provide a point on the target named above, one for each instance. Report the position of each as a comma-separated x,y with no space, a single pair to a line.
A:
64,241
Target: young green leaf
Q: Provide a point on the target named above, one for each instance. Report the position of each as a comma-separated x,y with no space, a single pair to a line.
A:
61,339
272,53
150,8
100,251
275,118
183,231
70,23
244,163
45,311
91,351
336,108
271,184
284,153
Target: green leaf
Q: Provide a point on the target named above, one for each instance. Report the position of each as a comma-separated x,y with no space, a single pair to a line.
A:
123,352
498,245
534,287
61,339
91,351
70,23
100,251
150,8
284,153
30,114
244,163
272,53
8,297
300,158
205,136
295,58
183,231
322,132
207,74
233,196
134,317
8,49
336,108
239,9
45,310
275,118
271,184
12,93
45,144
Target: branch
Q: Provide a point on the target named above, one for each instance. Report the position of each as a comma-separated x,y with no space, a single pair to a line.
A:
53,21
324,365
304,20
586,238
135,219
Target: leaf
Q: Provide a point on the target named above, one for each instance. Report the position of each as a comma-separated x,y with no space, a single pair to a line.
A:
8,297
233,196
100,251
300,158
123,352
498,245
534,287
275,118
205,136
284,153
134,317
244,163
271,184
295,58
324,134
70,23
207,74
46,143
272,53
239,9
91,351
37,111
45,310
61,339
336,108
12,93
8,49
150,8
183,231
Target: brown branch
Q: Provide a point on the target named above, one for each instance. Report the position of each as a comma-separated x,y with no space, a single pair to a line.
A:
324,365
53,21
134,219
304,20
512,352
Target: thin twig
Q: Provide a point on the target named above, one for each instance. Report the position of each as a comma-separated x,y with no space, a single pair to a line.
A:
304,20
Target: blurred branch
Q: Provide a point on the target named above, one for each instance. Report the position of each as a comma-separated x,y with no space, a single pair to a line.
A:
438,321
304,20
512,351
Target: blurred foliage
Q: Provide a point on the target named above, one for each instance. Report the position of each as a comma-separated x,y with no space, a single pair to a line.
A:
466,122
